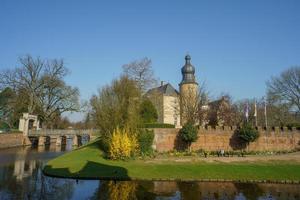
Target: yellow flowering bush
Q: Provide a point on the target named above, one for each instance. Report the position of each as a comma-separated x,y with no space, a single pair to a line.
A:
122,144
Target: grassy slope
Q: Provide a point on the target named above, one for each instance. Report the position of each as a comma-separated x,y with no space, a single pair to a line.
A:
87,162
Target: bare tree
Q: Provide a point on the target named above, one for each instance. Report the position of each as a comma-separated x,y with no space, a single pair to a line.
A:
40,83
189,106
56,99
286,88
278,114
238,109
203,99
25,78
193,105
141,71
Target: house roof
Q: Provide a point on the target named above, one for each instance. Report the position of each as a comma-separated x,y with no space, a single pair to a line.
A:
167,90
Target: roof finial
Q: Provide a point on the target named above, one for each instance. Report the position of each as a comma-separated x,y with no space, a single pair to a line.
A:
187,58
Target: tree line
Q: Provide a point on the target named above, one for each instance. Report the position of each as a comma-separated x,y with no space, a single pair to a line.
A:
36,86
279,107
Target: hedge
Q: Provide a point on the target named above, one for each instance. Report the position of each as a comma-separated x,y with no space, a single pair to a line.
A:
158,125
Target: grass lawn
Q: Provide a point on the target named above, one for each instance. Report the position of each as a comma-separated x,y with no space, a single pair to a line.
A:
87,162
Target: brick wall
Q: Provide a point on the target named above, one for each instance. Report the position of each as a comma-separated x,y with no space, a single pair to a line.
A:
11,140
224,138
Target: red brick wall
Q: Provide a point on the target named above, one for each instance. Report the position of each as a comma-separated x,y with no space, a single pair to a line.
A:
216,139
11,140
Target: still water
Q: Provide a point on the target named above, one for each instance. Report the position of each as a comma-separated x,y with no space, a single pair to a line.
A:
21,178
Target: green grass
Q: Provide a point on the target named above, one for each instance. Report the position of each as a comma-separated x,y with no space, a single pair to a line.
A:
88,162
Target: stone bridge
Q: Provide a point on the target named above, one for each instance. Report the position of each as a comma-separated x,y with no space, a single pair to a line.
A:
46,136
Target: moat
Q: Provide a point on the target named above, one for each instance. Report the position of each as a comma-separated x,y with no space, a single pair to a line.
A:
21,177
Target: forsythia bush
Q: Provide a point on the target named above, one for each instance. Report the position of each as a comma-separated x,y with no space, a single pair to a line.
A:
122,144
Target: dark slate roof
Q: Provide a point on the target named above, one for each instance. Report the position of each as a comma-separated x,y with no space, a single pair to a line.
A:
166,89
188,71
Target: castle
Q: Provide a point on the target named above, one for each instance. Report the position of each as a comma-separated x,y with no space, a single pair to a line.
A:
173,106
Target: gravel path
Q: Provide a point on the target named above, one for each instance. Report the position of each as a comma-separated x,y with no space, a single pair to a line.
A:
293,157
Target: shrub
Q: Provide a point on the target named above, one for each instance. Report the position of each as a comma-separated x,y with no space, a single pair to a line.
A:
158,125
291,125
122,144
104,143
145,140
188,134
247,133
148,112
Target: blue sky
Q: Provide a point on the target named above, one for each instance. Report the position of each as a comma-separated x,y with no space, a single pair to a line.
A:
236,46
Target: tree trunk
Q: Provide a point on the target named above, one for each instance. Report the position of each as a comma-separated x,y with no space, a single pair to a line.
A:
248,146
190,147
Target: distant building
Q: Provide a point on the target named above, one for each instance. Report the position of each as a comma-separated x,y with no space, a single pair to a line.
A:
165,98
173,107
218,112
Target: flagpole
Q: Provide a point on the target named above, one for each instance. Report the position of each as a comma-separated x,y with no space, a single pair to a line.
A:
247,112
255,112
266,119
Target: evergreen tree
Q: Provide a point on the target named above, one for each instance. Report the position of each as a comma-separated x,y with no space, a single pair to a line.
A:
148,112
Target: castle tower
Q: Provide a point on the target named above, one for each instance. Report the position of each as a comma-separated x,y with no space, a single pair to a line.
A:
188,91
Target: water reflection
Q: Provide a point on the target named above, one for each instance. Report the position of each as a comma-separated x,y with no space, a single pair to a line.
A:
20,170
193,190
21,178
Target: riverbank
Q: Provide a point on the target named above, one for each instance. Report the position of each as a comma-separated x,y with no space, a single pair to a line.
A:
10,140
88,163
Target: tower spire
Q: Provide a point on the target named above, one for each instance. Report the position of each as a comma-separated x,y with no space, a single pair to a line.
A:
188,91
188,71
